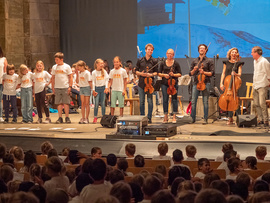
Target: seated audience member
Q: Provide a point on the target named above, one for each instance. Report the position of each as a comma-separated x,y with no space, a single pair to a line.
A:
35,172
227,155
3,151
204,168
52,152
161,169
122,191
162,150
161,178
178,158
115,176
138,179
234,199
261,152
209,178
244,179
9,159
25,186
139,161
39,192
185,185
225,147
191,152
174,186
235,167
150,186
265,177
178,171
163,196
250,163
240,190
137,194
107,199
58,195
187,196
259,197
45,147
30,158
122,165
18,154
210,196
99,188
6,173
73,157
130,150
96,152
198,186
111,160
221,186
24,197
260,185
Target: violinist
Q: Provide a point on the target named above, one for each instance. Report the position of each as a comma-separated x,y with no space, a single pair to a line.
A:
169,71
146,62
232,66
201,66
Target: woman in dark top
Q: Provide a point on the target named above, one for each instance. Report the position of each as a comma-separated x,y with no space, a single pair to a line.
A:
169,68
232,66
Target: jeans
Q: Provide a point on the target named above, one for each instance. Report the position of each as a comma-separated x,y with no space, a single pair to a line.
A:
259,98
10,99
99,98
142,103
166,100
27,104
195,94
1,97
76,93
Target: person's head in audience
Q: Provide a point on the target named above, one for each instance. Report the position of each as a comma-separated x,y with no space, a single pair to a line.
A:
3,187
178,171
29,159
107,199
137,193
52,152
116,175
9,159
243,178
57,196
234,199
235,166
18,154
163,196
73,157
39,192
160,177
3,150
260,197
163,148
98,171
130,150
6,173
187,196
139,161
250,163
145,173
198,186
138,179
96,152
204,165
221,186
111,160
13,186
185,185
25,186
122,192
226,147
150,186
261,152
209,178
53,166
86,165
241,190
175,184
260,185
191,151
210,196
177,156
266,177
161,169
229,154
45,147
24,197
122,164
65,151
35,171
83,180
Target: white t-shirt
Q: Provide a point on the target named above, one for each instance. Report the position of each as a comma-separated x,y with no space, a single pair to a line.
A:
40,80
2,65
10,83
61,73
98,80
26,80
117,77
84,78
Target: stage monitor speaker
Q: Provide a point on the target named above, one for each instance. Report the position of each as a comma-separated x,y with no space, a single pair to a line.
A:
246,120
108,121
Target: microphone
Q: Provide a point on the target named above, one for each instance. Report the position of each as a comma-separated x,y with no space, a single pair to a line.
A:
186,56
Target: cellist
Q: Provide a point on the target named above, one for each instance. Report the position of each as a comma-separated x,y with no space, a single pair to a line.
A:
169,69
228,65
201,66
141,70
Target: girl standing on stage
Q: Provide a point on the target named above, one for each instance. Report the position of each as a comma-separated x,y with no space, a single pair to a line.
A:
25,81
233,60
41,80
100,86
83,78
169,68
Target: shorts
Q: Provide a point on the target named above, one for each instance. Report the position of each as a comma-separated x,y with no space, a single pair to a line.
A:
117,95
62,96
86,91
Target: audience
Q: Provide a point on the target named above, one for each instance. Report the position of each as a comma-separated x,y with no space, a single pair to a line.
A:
203,167
261,152
130,150
191,152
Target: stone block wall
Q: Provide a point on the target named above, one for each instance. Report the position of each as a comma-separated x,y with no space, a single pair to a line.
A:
31,31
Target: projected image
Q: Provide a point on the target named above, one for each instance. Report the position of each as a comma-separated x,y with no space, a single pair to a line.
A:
221,23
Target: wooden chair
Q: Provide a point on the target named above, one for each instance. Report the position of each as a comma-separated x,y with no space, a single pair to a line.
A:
192,165
72,166
264,166
130,99
215,164
180,103
128,178
130,162
153,163
248,97
254,173
41,159
137,170
18,165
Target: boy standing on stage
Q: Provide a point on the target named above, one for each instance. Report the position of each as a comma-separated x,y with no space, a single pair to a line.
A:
61,85
141,71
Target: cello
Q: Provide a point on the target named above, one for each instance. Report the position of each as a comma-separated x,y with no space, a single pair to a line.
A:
171,82
229,101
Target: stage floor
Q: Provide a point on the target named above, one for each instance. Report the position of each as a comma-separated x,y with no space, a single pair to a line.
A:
207,138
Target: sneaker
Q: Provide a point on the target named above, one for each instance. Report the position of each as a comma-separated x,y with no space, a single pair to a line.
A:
1,120
67,119
95,120
39,120
14,121
86,121
23,122
205,122
29,122
6,121
81,121
60,120
47,120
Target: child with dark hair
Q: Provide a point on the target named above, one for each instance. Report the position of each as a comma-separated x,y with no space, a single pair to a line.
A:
150,186
178,171
39,192
111,160
204,168
227,155
225,147
139,161
122,191
235,167
260,185
163,196
29,159
116,175
122,165
137,193
210,196
178,158
234,199
250,163
222,186
130,150
161,169
209,178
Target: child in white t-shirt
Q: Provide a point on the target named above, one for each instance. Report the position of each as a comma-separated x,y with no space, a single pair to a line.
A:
83,77
25,81
10,80
41,80
118,81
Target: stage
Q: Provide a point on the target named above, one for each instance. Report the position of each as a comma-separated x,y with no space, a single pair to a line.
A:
208,139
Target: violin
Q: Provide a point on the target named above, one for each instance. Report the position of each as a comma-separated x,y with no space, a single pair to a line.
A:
171,89
148,83
201,78
229,101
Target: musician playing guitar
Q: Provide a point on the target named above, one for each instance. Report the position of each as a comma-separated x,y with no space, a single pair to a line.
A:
147,62
201,67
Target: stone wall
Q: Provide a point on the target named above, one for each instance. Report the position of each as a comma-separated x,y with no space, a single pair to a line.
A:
31,31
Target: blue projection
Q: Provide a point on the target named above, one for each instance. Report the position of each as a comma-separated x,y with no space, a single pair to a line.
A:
223,23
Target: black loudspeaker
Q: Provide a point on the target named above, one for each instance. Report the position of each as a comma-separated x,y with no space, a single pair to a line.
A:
108,121
246,120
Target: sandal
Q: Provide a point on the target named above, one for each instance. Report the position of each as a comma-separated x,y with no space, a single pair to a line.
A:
165,121
230,121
